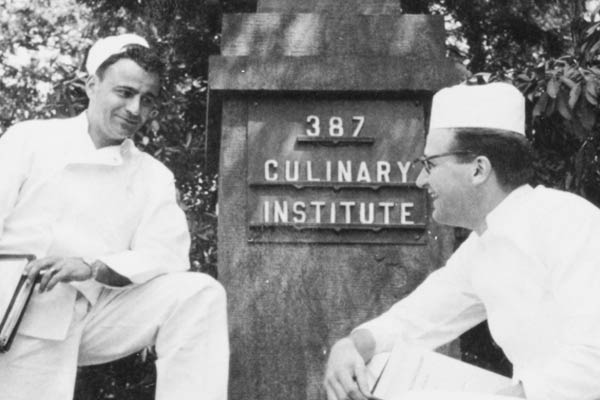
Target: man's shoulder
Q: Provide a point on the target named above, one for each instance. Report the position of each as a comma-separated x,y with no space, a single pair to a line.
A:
547,200
40,128
155,168
33,124
540,213
561,215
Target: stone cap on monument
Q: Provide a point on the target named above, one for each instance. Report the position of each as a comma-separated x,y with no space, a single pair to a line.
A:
332,45
334,6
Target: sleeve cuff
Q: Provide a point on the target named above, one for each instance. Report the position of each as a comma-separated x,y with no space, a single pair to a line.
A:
139,268
385,337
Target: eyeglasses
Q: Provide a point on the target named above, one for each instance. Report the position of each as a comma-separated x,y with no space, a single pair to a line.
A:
428,165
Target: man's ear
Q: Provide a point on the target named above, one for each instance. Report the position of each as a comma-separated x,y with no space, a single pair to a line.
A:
91,84
482,170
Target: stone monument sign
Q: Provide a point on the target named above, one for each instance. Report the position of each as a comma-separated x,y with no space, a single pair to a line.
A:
321,226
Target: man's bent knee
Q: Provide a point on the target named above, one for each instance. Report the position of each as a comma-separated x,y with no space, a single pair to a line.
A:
183,285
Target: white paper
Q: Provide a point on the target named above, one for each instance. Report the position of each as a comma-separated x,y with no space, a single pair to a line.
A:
411,373
450,395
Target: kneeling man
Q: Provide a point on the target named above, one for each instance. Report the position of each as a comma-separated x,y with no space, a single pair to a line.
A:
530,266
112,243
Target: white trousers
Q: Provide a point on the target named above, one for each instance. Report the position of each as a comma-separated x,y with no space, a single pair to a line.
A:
451,395
182,314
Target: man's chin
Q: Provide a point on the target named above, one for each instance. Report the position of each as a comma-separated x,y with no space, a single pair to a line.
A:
123,133
446,221
126,130
438,217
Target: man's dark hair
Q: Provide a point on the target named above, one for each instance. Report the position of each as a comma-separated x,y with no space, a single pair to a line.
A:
510,153
146,58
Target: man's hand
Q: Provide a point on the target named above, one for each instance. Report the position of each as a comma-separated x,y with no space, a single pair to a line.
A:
346,372
58,269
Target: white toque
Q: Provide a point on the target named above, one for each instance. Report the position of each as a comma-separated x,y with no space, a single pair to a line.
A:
494,105
108,46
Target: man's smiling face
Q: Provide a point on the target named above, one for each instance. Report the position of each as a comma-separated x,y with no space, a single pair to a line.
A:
120,102
448,182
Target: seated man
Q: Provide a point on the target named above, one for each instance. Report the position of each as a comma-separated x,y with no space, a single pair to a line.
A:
530,266
103,221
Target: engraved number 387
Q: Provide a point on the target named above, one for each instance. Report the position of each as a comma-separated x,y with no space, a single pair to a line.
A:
336,126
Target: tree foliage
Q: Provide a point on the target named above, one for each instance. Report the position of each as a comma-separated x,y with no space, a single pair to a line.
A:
563,94
508,34
549,50
40,49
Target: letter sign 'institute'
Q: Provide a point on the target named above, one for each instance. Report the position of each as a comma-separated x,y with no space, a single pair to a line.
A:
334,171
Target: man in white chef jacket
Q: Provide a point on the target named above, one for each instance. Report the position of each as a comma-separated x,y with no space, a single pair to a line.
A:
530,266
112,242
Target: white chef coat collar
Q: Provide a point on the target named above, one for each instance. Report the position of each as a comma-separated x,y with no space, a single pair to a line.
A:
503,212
88,153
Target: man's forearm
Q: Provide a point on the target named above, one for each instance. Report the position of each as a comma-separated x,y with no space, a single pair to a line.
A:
108,276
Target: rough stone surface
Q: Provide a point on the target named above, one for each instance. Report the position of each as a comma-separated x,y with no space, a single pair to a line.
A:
271,35
335,73
332,6
319,52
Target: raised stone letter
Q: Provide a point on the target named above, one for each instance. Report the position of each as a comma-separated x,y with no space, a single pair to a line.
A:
270,164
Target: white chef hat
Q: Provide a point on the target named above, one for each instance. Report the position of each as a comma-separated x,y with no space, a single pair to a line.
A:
494,105
108,46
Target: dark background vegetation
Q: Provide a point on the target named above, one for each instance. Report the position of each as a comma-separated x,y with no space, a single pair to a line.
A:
549,49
